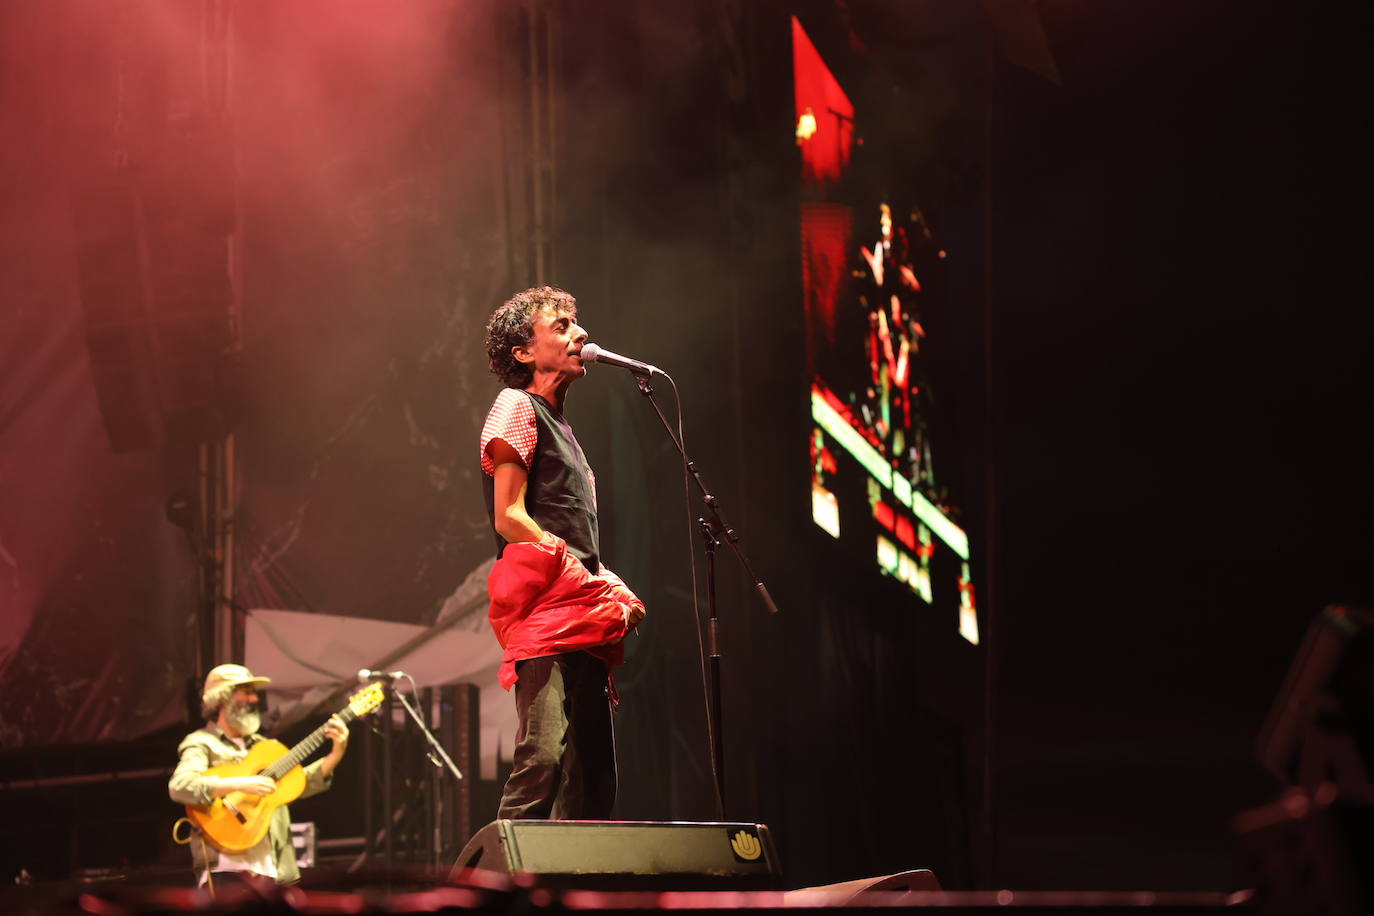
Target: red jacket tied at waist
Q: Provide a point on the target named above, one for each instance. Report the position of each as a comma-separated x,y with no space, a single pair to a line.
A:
544,601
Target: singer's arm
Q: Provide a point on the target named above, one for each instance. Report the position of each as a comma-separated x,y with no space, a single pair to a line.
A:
514,524
512,521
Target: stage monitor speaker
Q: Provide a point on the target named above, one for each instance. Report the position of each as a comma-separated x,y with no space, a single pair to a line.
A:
627,855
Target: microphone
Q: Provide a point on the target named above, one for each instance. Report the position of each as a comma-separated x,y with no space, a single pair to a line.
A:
367,674
591,353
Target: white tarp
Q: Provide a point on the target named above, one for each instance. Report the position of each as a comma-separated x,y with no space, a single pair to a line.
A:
311,656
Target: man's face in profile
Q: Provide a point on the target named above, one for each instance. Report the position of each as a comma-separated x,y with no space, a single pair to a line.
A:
557,344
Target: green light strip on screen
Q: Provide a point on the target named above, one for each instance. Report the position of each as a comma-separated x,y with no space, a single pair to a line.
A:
939,523
901,488
849,439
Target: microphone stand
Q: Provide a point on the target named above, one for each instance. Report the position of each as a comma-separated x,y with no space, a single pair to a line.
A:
711,542
424,730
712,531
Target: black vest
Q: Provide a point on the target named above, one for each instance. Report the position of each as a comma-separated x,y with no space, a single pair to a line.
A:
559,495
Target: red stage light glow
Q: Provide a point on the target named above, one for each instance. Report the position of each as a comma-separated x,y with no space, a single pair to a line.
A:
826,153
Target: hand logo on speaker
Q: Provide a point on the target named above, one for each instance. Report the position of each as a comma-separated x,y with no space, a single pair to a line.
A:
746,845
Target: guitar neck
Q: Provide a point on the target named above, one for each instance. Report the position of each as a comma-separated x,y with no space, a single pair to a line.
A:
307,746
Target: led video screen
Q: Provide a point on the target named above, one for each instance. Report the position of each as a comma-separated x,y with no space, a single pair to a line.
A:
866,267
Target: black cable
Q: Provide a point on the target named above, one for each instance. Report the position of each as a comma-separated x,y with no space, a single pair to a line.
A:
711,724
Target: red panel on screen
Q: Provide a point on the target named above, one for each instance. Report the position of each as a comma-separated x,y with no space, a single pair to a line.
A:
826,231
826,152
907,534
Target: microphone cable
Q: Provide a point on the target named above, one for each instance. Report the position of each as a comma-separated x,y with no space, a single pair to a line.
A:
711,724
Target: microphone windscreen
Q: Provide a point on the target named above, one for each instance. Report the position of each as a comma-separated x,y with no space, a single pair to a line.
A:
590,353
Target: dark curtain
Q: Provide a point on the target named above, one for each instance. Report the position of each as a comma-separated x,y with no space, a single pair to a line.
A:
96,588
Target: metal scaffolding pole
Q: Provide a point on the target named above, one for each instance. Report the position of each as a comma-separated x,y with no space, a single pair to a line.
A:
219,456
541,173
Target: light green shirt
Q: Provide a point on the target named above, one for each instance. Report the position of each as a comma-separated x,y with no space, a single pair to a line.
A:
209,747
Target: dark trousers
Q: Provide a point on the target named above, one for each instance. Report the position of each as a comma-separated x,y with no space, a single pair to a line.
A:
564,766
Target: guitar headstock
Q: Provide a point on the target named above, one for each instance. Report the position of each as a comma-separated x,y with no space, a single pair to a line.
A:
367,699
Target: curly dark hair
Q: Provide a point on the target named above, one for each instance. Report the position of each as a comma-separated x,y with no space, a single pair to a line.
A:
512,325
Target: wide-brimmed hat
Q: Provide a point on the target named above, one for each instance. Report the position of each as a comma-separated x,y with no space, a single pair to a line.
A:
235,675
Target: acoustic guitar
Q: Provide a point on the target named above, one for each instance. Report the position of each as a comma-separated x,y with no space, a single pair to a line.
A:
237,821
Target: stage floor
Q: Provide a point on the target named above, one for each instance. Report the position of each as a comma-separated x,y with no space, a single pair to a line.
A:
526,897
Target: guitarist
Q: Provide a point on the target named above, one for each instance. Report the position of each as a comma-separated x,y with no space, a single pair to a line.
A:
232,709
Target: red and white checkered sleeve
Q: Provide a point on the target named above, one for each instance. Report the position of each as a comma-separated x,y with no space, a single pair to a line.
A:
512,420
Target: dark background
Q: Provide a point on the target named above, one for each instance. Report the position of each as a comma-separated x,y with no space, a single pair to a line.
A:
1154,354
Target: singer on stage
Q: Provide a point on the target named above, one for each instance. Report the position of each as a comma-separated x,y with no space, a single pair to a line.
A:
559,614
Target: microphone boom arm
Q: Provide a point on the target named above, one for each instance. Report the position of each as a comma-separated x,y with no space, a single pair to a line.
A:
717,523
429,735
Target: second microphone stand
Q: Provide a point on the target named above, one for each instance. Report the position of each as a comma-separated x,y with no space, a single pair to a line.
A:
712,531
436,747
